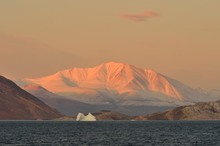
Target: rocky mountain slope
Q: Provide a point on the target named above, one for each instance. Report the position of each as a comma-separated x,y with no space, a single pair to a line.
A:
17,104
199,111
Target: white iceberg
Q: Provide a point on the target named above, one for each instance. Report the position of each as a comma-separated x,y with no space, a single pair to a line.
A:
82,117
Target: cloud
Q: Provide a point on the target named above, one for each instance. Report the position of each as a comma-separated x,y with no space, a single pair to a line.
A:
139,17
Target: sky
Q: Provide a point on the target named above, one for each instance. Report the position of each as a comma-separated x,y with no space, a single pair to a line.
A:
180,39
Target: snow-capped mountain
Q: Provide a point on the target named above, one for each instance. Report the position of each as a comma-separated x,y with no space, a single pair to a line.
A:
119,84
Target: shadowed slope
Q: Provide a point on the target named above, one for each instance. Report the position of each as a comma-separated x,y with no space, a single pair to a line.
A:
62,104
17,104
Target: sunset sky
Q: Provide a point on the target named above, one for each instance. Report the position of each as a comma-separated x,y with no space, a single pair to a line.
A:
180,39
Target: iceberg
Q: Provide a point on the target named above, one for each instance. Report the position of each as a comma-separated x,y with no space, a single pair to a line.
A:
82,117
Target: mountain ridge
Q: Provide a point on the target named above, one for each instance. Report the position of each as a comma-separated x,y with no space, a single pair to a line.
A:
198,111
17,104
112,76
118,84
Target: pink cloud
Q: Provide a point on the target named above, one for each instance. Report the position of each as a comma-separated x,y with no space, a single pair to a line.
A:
139,17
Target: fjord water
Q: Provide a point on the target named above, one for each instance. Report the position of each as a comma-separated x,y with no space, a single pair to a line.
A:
110,133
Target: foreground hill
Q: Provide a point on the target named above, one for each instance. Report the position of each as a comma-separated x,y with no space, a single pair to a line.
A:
17,104
199,111
110,115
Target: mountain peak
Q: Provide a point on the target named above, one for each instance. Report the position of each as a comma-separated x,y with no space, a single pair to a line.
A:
121,78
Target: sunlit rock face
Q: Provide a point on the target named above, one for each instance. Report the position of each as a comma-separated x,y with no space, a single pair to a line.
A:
82,117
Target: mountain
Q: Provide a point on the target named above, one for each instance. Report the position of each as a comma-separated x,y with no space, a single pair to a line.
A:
199,111
62,104
17,104
121,86
72,107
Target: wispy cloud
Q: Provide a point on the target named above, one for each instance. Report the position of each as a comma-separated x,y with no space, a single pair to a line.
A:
139,17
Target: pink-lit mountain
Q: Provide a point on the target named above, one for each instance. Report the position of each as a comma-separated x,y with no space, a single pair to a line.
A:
119,84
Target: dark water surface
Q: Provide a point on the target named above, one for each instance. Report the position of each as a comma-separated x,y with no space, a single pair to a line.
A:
113,133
